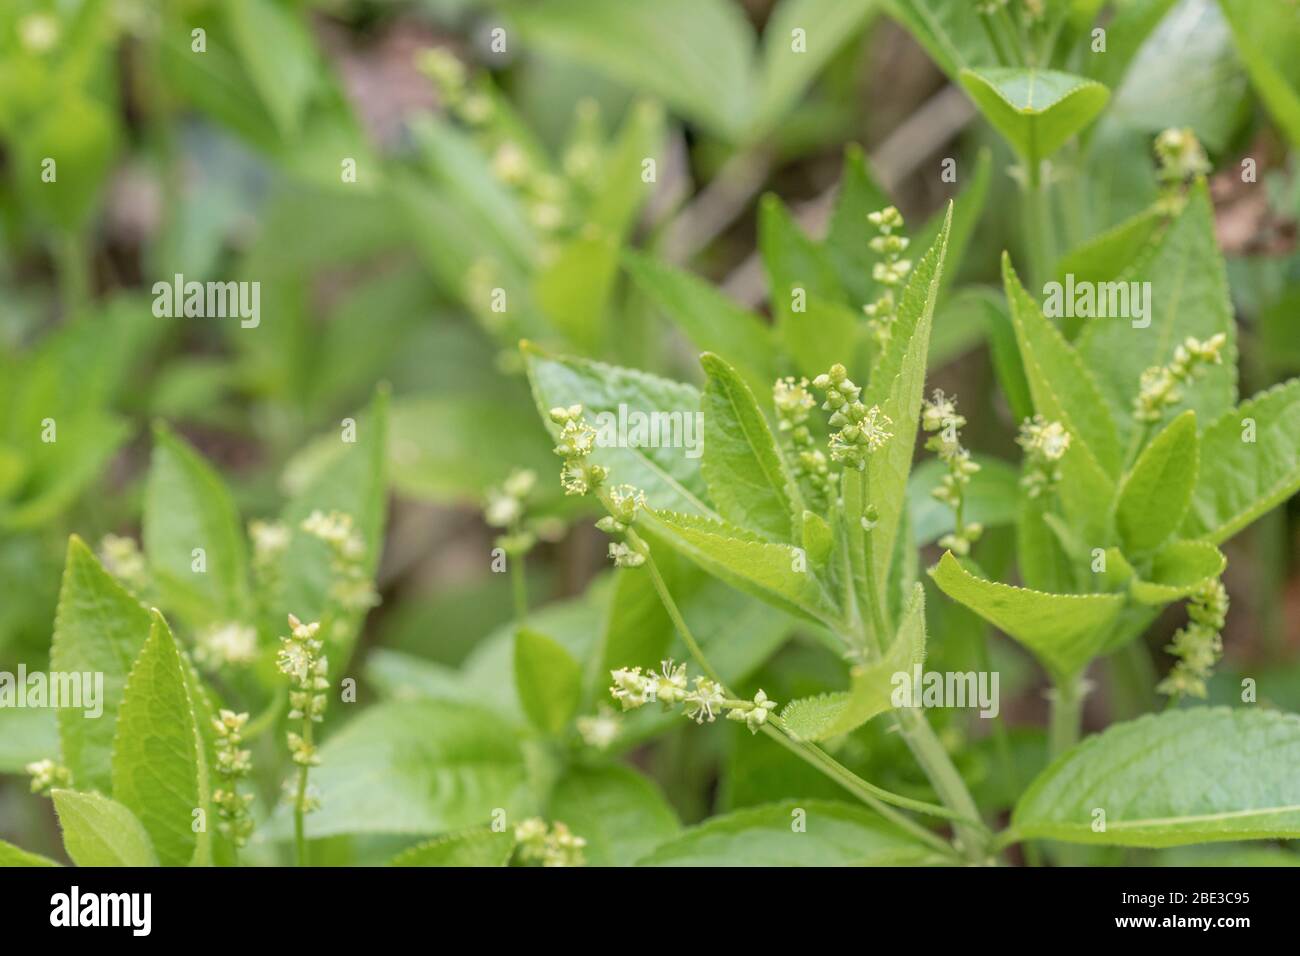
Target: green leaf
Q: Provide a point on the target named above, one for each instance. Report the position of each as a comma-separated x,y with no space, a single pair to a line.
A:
950,32
1198,775
417,766
658,459
1064,391
1036,111
1240,480
27,734
1178,569
849,234
620,813
548,680
80,135
623,192
834,834
279,58
1108,255
787,72
1188,297
1064,631
98,831
776,573
896,384
820,334
573,289
1267,37
187,506
160,770
747,477
695,54
1154,495
711,321
99,629
12,856
872,688
1126,31
478,847
790,259
991,498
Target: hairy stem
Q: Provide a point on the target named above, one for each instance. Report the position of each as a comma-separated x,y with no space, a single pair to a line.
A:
300,801
929,752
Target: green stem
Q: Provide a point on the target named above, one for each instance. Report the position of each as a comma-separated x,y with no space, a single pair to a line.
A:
1067,715
519,586
869,793
299,804
947,782
857,497
74,276
1038,226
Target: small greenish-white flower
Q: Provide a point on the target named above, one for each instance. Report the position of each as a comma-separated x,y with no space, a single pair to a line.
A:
704,701
555,845
669,685
1199,645
1181,155
1045,444
39,32
122,558
890,272
631,688
599,730
303,752
336,530
48,775
626,501
510,164
232,644
1161,386
886,220
270,540
794,402
625,556
446,71
753,714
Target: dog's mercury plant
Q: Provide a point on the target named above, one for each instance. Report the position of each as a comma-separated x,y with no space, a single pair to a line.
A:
860,430
701,700
302,660
890,272
48,775
1198,645
233,764
794,403
1161,386
939,417
538,844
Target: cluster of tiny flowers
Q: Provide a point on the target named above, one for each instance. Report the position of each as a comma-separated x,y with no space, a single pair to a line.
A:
301,660
555,845
1199,645
233,764
939,417
122,558
576,443
505,508
1045,444
231,644
350,587
862,430
701,700
890,272
1162,385
48,775
449,76
1180,155
623,501
599,730
793,404
270,540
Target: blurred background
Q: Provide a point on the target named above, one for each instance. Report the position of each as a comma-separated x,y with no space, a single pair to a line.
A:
380,166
